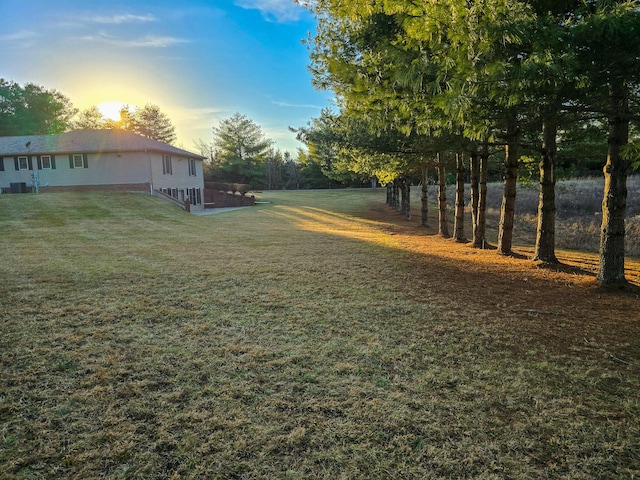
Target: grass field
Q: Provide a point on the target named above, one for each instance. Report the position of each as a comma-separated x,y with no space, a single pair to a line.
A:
319,336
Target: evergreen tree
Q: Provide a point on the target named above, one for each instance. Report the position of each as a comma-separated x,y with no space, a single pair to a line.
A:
241,151
33,110
89,119
310,170
151,122
607,42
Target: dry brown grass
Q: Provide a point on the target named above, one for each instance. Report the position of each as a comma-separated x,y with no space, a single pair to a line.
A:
579,206
319,336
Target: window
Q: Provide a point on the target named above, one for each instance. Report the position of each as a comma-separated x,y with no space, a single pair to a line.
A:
192,167
45,162
23,163
166,165
78,160
194,196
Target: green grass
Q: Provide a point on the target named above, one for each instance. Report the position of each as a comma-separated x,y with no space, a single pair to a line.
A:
288,340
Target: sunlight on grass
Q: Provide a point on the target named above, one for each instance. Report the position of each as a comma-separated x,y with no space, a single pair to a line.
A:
325,222
384,234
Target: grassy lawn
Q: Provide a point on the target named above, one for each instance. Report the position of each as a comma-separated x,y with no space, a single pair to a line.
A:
317,336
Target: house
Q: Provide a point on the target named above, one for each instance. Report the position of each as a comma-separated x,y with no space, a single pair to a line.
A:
103,160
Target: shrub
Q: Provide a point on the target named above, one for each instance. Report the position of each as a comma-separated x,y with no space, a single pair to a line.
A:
241,188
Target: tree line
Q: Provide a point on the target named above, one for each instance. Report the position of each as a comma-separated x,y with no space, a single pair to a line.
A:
423,85
240,152
32,109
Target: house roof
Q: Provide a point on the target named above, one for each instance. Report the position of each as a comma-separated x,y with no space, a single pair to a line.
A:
86,141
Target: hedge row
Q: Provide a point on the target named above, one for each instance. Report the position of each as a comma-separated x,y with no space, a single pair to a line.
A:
217,199
240,188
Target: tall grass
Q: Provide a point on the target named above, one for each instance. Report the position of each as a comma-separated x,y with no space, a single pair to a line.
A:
578,217
312,337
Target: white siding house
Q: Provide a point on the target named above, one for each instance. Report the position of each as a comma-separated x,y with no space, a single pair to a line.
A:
113,160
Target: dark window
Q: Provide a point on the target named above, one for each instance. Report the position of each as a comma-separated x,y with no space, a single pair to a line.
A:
194,196
44,162
192,167
78,160
166,165
23,163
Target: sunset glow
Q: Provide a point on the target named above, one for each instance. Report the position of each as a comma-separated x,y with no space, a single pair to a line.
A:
111,110
199,62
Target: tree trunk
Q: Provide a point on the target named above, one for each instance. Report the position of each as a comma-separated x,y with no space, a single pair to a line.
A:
394,194
443,228
614,203
479,229
508,208
405,190
407,212
474,170
458,228
424,212
389,194
546,231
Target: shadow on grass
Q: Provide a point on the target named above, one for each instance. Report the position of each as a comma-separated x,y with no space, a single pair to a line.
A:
504,289
560,267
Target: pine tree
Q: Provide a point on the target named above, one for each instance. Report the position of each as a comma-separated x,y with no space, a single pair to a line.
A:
241,150
90,119
151,122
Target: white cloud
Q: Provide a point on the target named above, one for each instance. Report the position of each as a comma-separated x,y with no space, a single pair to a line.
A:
22,38
281,103
153,41
281,11
90,19
106,19
148,41
196,116
117,19
16,36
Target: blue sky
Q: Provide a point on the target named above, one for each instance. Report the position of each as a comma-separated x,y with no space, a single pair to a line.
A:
199,61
